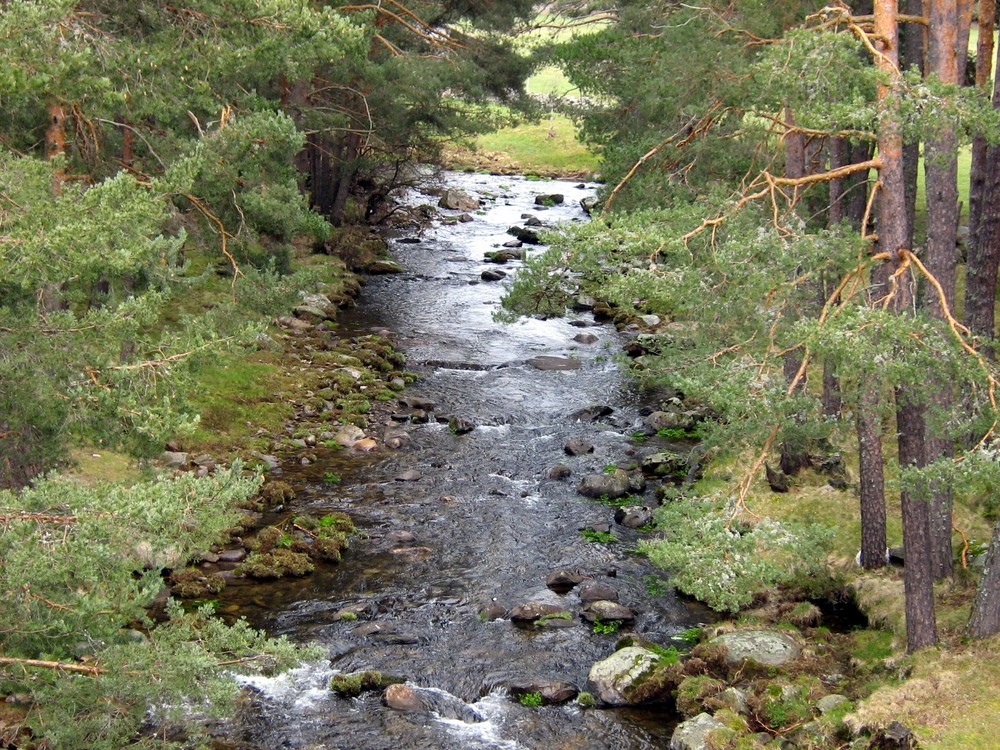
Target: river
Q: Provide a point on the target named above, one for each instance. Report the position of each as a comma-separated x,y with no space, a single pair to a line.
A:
483,525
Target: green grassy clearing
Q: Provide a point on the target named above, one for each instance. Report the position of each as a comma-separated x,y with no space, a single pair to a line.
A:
550,146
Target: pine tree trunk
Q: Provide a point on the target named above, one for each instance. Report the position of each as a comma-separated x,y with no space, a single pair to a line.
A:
984,77
868,425
964,20
912,49
794,457
984,250
941,178
920,621
985,618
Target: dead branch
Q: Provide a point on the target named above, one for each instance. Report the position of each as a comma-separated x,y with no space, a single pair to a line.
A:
694,127
222,232
57,665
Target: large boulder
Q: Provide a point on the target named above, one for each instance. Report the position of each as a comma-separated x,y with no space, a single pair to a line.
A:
762,646
693,733
632,675
612,484
458,200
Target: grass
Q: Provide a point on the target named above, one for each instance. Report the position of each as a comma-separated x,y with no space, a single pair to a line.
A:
548,147
236,399
94,466
951,700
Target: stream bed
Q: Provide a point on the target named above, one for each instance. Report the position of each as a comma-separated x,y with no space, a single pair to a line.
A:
479,524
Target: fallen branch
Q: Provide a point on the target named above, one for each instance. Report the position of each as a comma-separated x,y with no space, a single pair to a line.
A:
57,665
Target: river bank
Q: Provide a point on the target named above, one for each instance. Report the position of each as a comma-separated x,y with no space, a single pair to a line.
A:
408,582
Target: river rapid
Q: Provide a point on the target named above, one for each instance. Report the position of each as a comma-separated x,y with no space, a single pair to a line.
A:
483,525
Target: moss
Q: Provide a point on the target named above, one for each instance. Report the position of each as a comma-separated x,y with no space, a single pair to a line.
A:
266,540
326,549
192,583
693,692
276,564
554,616
354,684
276,493
586,700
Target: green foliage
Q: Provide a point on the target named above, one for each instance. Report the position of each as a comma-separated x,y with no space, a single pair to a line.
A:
724,563
81,565
599,537
609,627
531,700
245,174
655,585
101,557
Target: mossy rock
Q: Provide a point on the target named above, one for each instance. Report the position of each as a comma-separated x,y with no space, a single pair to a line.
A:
354,684
276,493
694,692
192,583
276,564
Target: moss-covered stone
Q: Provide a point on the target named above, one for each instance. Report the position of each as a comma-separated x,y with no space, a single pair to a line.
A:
354,684
192,583
277,563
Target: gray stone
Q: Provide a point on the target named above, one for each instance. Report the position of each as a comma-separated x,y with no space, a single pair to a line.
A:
458,200
562,581
175,459
589,203
553,199
382,267
586,338
410,698
614,678
560,471
513,243
417,402
460,425
735,700
530,612
409,476
493,611
348,435
651,320
527,236
613,485
492,274
531,221
693,733
763,646
595,591
550,362
831,702
578,447
669,420
606,611
634,516
466,218
665,463
552,691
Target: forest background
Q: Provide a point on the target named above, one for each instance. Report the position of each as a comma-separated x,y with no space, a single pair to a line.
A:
763,165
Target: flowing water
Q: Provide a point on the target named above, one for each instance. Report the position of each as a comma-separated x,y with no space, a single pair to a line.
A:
487,523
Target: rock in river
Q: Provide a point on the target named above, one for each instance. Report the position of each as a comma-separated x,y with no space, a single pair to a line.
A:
446,705
612,485
623,679
458,200
577,447
549,362
607,612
